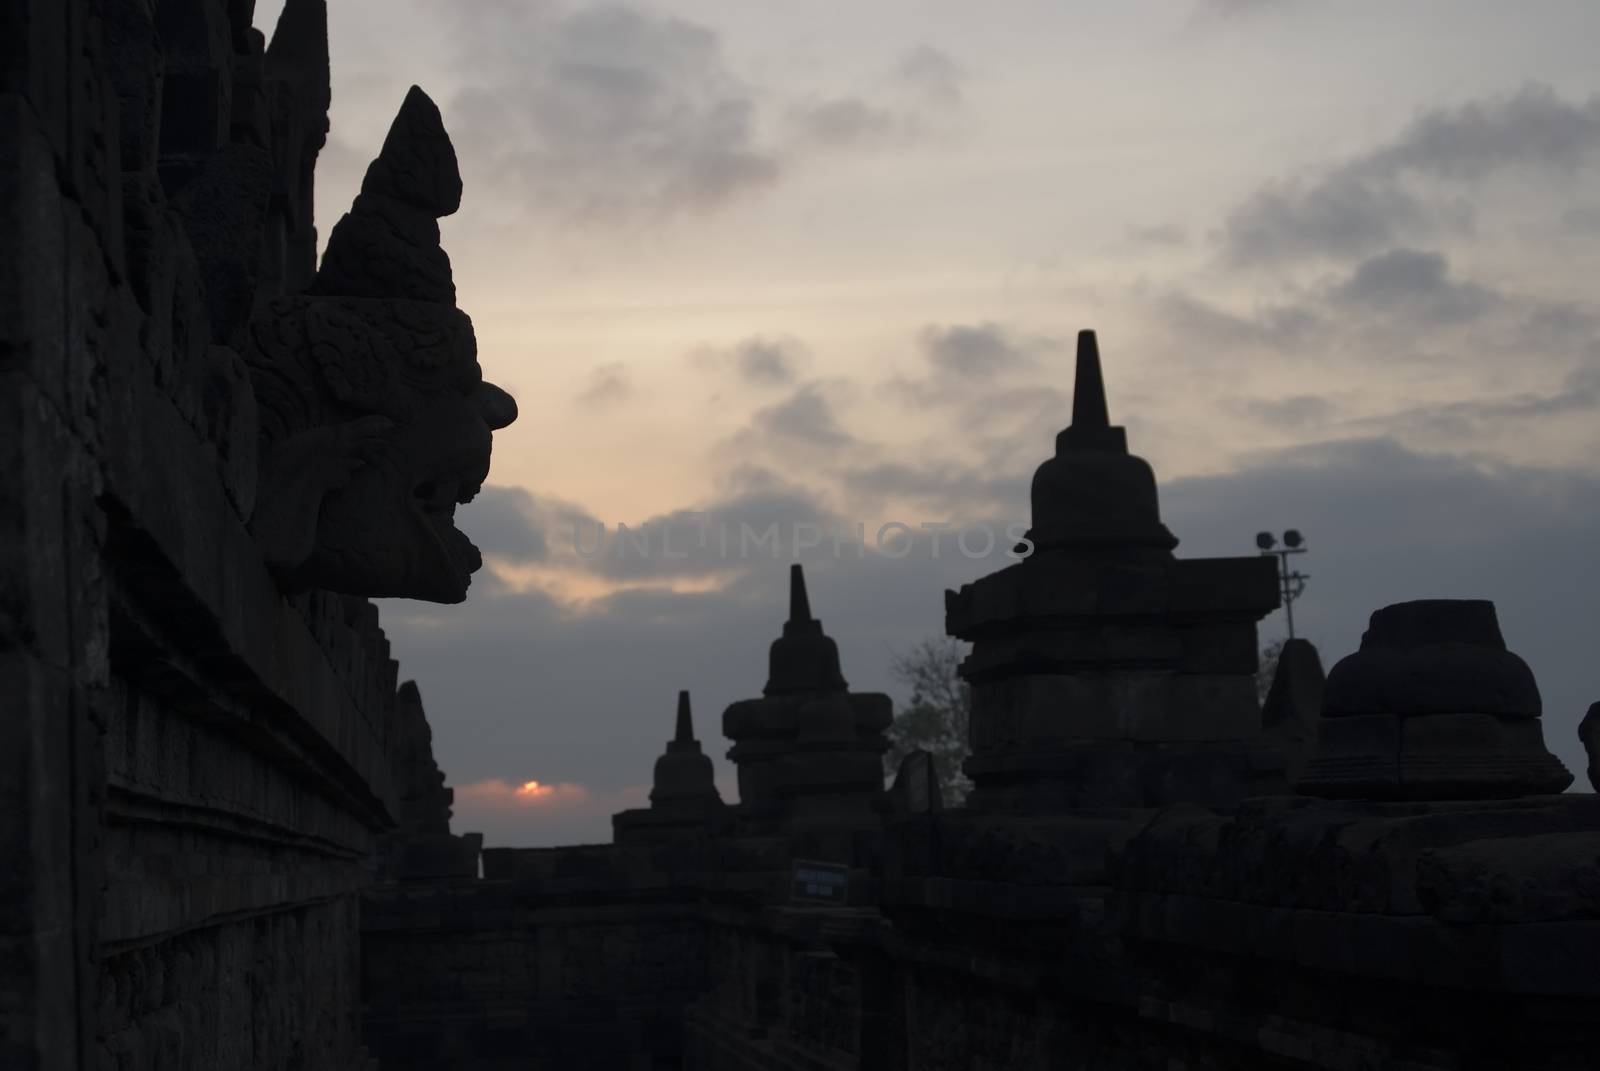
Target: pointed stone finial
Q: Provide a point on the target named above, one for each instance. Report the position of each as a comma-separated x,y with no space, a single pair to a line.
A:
1089,389
685,732
799,604
804,658
417,164
1091,428
387,245
1093,493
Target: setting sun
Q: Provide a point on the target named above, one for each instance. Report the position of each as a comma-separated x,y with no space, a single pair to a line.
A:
533,788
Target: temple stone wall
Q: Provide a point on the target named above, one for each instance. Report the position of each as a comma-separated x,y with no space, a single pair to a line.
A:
560,958
1296,934
194,766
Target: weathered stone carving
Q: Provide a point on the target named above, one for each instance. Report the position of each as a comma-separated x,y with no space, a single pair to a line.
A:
423,848
375,417
1432,706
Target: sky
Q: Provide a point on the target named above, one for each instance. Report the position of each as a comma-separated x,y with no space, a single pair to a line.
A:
823,263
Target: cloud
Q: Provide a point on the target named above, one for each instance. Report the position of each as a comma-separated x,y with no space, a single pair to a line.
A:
1295,411
805,419
613,113
758,361
972,351
768,362
503,522
1415,284
514,525
1470,420
922,94
1162,235
932,75
848,122
1410,187
1402,301
968,364
1235,9
605,111
944,488
607,385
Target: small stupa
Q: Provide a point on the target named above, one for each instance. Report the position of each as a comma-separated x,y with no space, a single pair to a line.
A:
809,751
684,800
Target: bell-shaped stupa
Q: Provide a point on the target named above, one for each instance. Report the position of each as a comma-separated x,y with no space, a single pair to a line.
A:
1105,671
684,800
809,751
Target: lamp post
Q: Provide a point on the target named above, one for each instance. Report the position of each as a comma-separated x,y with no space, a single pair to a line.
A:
1290,584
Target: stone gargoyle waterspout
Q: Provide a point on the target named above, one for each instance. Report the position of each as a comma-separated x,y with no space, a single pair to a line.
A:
375,418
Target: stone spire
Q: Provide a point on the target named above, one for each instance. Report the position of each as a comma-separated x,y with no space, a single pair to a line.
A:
1089,410
684,734
804,658
683,772
1093,494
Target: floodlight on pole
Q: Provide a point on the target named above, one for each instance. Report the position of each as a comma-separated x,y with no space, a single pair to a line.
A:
1290,583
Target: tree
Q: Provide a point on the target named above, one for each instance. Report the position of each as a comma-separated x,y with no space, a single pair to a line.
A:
937,717
1267,668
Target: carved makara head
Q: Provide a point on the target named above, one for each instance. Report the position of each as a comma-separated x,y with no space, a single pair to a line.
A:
376,420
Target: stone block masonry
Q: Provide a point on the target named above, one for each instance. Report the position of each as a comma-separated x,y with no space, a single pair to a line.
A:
202,754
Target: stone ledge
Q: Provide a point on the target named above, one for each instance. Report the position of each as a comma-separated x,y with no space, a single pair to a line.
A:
1552,959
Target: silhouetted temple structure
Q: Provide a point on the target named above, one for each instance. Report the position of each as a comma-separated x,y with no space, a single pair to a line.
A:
227,839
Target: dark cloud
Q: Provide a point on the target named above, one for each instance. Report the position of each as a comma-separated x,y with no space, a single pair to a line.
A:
1200,324
970,351
966,364
805,418
1410,187
604,111
763,361
1341,214
517,526
942,488
768,362
607,384
506,522
618,113
1400,302
1472,419
1414,284
1296,411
